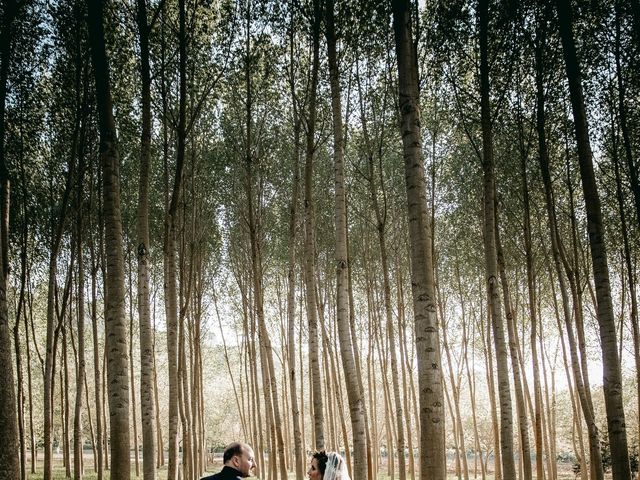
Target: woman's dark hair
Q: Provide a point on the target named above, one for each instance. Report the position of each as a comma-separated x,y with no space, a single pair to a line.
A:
322,458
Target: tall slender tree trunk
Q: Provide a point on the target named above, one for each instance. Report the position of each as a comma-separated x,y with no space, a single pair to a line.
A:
371,382
332,408
64,403
291,269
64,394
549,396
334,373
160,461
183,376
284,370
198,390
309,242
147,405
635,184
433,463
470,377
49,370
523,424
32,438
381,224
255,232
302,376
594,442
472,392
96,357
356,352
103,378
331,439
490,252
27,312
132,399
407,365
253,412
379,341
170,253
52,320
80,373
572,268
488,355
612,376
21,313
456,416
116,325
92,435
406,391
533,318
354,394
10,451
628,265
454,428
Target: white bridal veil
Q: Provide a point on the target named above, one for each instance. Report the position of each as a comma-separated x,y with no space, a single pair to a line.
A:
336,468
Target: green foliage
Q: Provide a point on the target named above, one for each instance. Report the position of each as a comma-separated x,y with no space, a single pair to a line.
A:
248,68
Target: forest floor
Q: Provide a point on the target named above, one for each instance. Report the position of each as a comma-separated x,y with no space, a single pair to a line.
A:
59,474
565,473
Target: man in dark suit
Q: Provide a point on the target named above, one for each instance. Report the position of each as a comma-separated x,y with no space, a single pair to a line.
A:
238,461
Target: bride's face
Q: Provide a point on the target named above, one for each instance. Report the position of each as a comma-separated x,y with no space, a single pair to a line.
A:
314,472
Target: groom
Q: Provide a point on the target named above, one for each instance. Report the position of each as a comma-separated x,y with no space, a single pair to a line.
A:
238,461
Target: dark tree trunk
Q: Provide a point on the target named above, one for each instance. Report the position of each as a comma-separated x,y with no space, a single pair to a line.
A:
99,467
20,309
432,429
115,322
170,250
147,404
10,452
594,442
354,394
80,373
65,404
309,241
612,377
491,254
291,266
628,265
533,318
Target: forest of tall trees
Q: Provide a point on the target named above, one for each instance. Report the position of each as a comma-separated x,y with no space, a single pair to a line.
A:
405,231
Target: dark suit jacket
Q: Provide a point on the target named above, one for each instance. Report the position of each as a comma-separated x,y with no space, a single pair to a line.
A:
227,473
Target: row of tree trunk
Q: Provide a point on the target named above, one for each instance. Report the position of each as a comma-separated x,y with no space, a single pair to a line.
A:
263,397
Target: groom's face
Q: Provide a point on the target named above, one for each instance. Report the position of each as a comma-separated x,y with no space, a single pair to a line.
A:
245,461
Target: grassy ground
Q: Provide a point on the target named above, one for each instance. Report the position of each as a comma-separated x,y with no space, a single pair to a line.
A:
59,474
89,474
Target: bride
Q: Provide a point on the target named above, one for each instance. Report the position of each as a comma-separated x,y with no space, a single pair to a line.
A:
327,466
